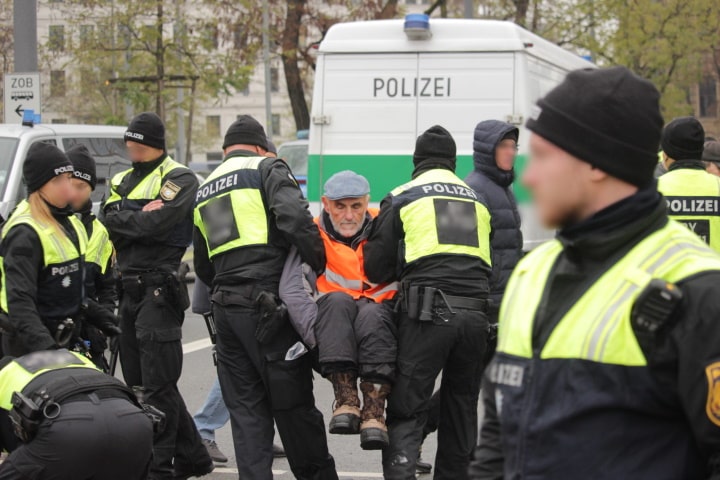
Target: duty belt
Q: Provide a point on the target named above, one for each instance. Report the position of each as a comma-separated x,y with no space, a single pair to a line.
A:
428,303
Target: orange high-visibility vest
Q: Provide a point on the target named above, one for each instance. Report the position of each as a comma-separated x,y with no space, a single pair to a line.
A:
345,271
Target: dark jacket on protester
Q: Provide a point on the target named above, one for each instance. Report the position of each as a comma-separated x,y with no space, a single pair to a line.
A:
494,189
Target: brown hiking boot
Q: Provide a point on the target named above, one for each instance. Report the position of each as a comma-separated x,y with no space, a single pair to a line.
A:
346,414
373,432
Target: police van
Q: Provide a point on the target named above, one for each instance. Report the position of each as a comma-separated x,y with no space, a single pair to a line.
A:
105,144
380,84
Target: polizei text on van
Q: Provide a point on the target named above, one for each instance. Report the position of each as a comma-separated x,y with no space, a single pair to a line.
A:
392,87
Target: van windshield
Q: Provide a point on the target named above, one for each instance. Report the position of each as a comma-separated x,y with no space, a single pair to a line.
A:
296,156
8,146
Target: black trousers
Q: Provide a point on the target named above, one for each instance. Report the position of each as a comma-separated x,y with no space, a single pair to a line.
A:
108,439
258,384
456,348
151,356
360,333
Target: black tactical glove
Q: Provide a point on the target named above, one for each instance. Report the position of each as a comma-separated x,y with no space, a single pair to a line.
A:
102,318
273,315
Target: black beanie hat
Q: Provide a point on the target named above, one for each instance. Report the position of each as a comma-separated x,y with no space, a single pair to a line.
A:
683,139
148,129
711,152
246,131
83,164
43,163
608,117
433,145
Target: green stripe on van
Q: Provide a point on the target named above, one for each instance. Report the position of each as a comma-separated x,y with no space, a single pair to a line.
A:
384,172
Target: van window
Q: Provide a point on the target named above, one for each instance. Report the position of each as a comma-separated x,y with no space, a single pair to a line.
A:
296,156
109,155
7,153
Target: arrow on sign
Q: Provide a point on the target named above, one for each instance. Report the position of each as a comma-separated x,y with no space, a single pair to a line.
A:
19,110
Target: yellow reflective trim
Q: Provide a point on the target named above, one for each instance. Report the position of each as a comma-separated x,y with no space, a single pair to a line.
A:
597,327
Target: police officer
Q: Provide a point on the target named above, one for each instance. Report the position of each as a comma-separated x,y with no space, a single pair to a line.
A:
249,212
42,252
692,194
607,360
99,281
149,217
433,234
68,417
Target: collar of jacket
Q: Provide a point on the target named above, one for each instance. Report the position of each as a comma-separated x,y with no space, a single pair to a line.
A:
351,242
85,213
622,223
143,168
503,178
241,153
688,164
434,164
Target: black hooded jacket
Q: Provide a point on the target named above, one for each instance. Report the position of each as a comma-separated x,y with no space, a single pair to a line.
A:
494,188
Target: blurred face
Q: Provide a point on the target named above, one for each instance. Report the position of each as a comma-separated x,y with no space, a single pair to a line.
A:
58,191
713,168
137,152
505,154
81,193
562,186
347,215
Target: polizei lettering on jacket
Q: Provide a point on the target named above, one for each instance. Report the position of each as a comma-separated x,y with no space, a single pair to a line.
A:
697,206
412,87
217,186
449,188
506,374
65,269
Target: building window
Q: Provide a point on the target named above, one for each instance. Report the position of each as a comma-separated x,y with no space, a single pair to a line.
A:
57,83
211,37
239,37
56,38
212,123
87,36
61,121
274,79
707,93
246,90
276,124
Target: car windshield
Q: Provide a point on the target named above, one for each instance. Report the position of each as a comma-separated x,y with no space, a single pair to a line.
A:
8,146
296,156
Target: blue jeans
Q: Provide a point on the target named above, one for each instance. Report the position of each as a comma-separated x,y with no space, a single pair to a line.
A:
213,414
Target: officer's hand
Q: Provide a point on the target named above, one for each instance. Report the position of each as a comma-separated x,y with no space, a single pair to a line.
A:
111,330
152,206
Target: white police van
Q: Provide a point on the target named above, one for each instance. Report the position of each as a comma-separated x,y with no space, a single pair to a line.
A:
380,84
105,144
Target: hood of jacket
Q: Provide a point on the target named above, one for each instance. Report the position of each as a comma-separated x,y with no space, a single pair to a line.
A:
488,135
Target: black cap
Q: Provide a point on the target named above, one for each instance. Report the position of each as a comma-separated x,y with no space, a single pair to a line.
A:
436,145
271,147
683,139
246,131
43,163
711,152
83,164
608,117
148,129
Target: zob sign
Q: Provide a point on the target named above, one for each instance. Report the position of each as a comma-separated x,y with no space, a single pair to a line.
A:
21,92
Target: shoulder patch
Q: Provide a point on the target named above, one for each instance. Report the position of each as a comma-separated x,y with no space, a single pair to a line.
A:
169,191
713,401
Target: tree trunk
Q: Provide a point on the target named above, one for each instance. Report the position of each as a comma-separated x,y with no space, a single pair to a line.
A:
289,45
521,11
389,10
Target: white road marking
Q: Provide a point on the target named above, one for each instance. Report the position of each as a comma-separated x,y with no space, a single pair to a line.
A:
283,472
196,345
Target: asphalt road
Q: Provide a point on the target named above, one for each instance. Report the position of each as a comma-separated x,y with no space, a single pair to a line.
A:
198,376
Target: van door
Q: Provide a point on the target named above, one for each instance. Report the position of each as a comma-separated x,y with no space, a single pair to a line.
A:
364,115
458,90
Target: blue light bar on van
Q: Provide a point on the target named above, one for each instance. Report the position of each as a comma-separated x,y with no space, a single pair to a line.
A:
28,118
417,26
